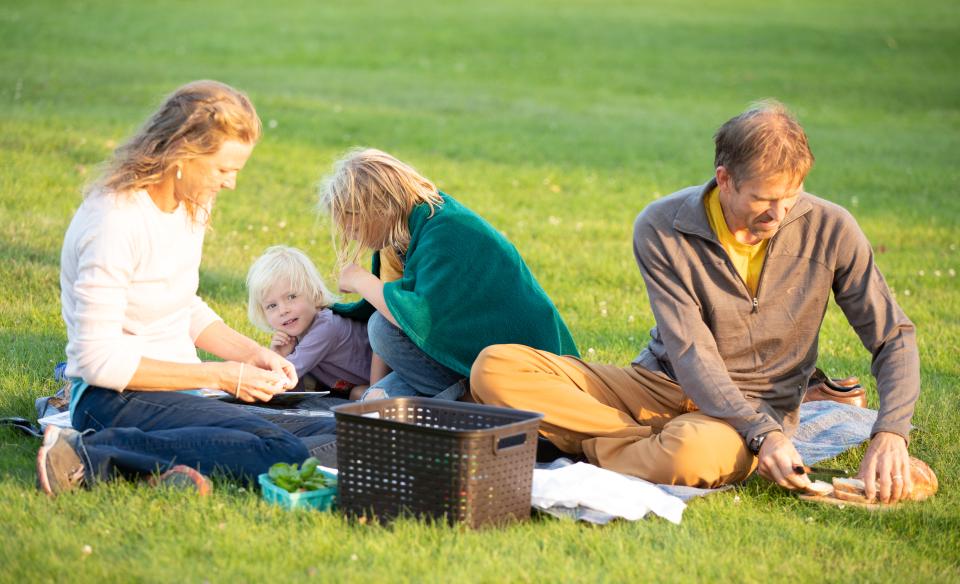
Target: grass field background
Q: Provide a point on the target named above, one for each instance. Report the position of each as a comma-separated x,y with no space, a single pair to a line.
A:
558,122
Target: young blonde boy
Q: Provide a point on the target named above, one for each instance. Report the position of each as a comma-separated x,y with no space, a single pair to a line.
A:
287,297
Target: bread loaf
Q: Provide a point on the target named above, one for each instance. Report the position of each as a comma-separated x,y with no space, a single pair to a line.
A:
850,490
925,482
819,488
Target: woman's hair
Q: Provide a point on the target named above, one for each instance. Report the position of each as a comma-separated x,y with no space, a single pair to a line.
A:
193,122
283,264
378,192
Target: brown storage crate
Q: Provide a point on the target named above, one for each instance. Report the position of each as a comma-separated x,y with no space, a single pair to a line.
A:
452,461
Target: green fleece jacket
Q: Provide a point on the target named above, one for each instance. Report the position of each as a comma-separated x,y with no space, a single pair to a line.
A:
465,287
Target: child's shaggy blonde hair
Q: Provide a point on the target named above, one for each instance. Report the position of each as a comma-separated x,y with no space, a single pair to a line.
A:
374,192
283,264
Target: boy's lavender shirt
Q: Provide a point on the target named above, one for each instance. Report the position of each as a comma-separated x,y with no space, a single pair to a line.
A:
334,348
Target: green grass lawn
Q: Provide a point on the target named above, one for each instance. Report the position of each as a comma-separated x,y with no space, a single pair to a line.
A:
558,121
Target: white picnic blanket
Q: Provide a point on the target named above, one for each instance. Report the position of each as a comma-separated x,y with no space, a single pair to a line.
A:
588,493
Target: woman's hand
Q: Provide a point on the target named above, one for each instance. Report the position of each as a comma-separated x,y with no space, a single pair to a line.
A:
282,344
351,278
248,382
267,359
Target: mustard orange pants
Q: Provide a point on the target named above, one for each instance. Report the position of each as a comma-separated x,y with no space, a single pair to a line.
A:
626,419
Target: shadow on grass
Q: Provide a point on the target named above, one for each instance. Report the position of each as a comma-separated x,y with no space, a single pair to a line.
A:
16,251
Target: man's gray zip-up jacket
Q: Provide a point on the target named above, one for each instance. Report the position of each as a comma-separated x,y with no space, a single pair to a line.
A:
746,358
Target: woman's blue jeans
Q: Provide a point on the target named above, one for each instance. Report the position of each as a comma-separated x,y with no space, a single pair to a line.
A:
414,372
135,433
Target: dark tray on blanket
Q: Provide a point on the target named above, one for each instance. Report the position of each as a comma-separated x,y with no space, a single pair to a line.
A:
281,399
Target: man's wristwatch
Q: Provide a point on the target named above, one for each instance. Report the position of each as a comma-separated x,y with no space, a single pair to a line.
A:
756,442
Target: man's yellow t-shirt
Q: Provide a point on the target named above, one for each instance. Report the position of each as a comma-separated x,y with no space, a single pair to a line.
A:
747,259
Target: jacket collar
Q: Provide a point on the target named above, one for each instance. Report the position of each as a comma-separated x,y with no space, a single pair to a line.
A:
692,218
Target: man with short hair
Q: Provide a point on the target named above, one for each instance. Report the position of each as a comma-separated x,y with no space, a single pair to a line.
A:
739,272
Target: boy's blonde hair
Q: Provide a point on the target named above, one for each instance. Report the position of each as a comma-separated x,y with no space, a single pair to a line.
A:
373,188
281,263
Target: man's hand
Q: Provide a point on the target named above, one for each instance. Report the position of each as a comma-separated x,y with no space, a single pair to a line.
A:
282,344
885,469
778,457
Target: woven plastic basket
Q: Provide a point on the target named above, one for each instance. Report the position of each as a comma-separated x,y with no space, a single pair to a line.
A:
451,461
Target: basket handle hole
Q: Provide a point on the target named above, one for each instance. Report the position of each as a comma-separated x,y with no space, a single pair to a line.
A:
510,441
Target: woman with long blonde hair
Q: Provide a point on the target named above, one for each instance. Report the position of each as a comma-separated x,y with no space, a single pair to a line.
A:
129,278
445,284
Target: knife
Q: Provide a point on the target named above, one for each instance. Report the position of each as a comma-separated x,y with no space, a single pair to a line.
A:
813,470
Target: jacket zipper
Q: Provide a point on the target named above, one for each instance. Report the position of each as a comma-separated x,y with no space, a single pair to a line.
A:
754,298
763,267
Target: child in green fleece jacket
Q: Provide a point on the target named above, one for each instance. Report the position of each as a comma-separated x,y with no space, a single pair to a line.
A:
458,285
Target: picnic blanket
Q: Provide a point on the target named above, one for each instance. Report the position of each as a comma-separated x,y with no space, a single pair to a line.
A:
586,492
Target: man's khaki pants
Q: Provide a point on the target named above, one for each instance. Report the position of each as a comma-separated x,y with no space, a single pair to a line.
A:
626,419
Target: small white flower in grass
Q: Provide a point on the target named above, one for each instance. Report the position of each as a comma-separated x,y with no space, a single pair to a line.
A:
921,273
591,351
282,224
554,220
630,318
249,227
906,293
630,338
809,520
246,246
936,273
953,247
313,242
353,557
87,550
736,499
603,312
264,229
951,272
272,124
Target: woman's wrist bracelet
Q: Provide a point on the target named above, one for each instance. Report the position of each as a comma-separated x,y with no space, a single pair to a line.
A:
239,380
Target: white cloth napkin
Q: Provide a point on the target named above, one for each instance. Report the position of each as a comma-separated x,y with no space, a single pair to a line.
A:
586,485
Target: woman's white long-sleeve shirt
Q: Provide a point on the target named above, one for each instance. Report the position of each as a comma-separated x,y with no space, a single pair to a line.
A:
128,287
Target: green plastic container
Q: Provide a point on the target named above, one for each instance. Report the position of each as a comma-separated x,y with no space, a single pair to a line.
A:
321,499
